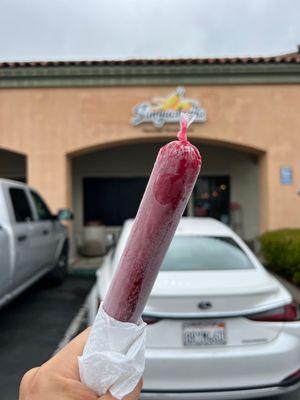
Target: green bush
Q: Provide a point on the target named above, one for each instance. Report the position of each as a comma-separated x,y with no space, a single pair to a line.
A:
281,252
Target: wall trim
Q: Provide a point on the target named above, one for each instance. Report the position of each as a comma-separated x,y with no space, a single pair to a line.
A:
124,75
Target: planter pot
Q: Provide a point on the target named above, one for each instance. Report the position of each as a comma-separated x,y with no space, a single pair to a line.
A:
94,241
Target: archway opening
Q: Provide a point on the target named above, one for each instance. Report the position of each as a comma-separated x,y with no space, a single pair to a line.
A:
108,185
13,165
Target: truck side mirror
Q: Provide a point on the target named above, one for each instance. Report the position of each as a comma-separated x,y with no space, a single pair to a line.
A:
64,214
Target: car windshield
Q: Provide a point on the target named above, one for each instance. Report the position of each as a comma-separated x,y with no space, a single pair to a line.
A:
196,253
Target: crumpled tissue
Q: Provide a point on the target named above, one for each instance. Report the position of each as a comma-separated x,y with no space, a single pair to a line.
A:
114,356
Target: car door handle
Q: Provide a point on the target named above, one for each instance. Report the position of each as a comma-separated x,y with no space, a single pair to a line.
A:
21,238
45,232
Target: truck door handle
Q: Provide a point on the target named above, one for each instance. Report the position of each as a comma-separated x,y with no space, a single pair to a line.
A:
45,232
21,238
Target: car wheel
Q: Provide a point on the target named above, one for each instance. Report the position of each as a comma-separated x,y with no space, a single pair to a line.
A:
60,271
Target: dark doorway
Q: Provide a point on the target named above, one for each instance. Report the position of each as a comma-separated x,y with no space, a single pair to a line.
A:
111,201
212,198
12,166
19,179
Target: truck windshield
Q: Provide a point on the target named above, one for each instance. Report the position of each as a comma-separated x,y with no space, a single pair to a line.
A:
196,253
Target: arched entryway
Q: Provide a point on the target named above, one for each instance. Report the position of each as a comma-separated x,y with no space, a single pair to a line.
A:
107,185
12,165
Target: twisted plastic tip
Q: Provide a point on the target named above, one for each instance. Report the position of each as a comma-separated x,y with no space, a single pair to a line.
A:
185,121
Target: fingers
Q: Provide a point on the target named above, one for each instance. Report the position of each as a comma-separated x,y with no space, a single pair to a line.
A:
76,390
43,385
134,395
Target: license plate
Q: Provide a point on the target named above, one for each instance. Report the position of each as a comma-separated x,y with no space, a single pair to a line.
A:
204,334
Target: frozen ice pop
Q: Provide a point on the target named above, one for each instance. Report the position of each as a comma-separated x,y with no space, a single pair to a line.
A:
170,185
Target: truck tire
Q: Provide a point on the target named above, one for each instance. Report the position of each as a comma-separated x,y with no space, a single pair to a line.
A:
60,271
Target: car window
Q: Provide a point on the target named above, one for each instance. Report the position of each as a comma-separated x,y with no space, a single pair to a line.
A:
195,253
21,206
41,208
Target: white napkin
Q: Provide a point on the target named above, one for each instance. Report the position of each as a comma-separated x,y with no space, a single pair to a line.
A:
114,356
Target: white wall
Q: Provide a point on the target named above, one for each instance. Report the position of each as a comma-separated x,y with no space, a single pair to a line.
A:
137,160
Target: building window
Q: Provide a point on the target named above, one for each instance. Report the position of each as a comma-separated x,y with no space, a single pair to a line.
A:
212,198
110,201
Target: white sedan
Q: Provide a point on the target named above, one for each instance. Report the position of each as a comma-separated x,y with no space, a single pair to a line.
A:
219,325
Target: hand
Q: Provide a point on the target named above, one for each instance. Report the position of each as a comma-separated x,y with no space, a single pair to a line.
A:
59,377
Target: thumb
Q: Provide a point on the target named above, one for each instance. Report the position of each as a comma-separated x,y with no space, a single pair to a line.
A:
65,361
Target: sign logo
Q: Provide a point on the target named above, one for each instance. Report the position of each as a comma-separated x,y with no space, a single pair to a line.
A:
205,305
167,110
286,175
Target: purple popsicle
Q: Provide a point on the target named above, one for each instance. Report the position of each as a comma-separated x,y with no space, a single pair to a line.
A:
170,185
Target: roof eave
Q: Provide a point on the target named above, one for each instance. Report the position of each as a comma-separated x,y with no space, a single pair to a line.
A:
72,75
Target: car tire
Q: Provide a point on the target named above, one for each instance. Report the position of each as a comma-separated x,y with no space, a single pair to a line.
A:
60,271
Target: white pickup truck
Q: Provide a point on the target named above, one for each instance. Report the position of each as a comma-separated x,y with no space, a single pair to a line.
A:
33,242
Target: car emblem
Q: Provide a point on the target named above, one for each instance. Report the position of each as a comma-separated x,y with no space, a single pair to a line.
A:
205,305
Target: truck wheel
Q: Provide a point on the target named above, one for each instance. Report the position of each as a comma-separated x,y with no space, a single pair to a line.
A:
60,271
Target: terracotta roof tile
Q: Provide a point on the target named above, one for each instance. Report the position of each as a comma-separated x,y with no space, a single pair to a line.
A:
292,59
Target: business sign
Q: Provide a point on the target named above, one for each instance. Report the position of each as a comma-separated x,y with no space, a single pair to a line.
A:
160,111
286,176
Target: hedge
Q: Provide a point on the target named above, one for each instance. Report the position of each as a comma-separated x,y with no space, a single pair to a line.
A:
281,252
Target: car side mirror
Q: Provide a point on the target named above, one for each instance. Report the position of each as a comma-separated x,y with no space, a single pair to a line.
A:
64,214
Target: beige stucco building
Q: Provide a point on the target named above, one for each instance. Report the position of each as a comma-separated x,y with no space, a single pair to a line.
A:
66,129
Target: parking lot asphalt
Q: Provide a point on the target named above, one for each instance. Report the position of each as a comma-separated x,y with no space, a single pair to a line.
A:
32,326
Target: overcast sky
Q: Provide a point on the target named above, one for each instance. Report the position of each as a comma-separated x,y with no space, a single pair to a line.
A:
120,29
